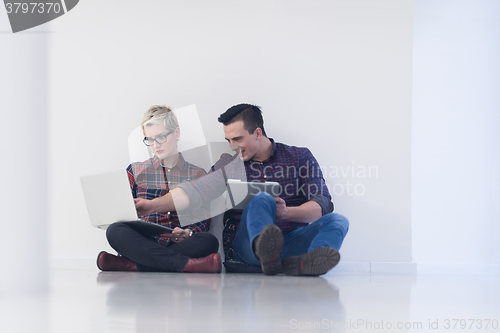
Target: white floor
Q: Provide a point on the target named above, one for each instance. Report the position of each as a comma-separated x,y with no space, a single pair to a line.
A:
92,301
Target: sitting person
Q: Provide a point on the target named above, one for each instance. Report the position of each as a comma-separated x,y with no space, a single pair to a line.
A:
187,249
296,233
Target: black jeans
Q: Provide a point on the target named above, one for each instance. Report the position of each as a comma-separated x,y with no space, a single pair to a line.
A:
153,257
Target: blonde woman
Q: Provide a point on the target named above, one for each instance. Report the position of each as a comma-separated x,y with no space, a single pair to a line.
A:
186,249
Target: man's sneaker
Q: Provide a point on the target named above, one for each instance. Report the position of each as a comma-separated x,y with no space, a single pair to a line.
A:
268,246
317,262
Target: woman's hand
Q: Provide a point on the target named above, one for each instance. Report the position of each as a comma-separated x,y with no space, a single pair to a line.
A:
178,235
144,207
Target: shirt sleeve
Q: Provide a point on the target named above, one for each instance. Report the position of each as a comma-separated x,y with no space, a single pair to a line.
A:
199,226
203,190
313,182
132,182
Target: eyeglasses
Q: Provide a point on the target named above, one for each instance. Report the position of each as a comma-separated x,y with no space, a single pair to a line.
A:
159,139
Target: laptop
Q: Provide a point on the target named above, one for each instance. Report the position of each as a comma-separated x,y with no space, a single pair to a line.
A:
109,200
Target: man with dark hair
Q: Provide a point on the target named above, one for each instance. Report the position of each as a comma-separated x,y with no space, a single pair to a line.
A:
296,233
248,113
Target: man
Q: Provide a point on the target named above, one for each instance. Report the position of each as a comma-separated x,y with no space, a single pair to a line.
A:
296,233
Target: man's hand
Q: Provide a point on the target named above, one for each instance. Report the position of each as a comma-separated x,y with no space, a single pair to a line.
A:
144,207
308,212
178,235
281,209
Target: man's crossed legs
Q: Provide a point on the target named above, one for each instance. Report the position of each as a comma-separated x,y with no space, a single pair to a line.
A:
309,250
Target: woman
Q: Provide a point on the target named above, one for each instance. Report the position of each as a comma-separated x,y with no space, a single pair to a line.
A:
188,249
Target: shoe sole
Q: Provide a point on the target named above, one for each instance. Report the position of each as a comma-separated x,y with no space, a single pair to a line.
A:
268,248
317,262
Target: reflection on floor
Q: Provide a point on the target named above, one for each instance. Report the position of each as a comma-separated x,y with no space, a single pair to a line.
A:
89,301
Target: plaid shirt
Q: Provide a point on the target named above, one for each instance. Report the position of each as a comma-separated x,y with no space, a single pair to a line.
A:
150,180
295,168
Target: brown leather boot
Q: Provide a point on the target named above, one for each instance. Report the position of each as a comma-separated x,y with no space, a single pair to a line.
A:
268,246
317,262
209,264
109,262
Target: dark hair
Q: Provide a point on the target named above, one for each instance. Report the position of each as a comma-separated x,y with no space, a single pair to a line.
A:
248,113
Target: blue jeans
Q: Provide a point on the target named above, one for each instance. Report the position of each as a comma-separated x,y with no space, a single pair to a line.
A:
327,231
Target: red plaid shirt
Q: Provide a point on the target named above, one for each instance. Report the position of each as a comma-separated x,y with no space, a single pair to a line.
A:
150,180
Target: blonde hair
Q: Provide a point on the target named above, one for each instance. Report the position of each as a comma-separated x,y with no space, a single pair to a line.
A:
160,114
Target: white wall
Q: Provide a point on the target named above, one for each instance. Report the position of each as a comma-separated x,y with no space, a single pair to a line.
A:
455,133
339,61
331,75
23,152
